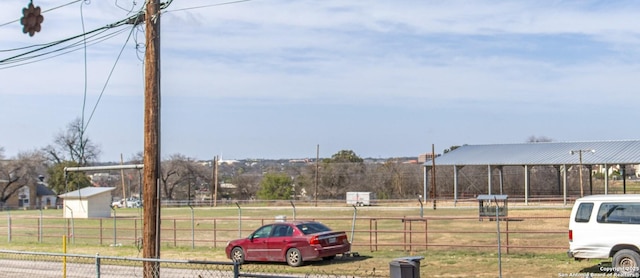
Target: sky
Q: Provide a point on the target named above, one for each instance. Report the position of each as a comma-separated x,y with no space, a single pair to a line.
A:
273,79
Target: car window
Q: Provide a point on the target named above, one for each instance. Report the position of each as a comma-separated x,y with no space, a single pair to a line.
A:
282,230
584,212
263,232
312,228
621,213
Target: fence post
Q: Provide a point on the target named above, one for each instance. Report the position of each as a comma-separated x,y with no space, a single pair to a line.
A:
215,234
353,223
507,233
64,258
8,226
236,269
97,265
426,234
115,230
40,227
101,235
239,220
404,231
193,235
175,235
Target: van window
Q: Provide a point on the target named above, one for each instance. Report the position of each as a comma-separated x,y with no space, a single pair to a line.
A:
620,213
584,212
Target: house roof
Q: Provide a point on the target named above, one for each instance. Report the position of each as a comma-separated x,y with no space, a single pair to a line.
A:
86,192
43,190
546,153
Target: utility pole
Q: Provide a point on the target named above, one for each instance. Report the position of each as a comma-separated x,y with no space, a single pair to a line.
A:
315,193
151,228
580,167
124,190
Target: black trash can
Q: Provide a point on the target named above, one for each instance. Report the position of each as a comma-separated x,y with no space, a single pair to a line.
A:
406,267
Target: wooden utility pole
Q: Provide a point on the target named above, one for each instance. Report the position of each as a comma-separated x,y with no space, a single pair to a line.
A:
151,228
214,181
124,190
433,174
315,193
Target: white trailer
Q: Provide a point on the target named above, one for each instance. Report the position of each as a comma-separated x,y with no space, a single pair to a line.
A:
360,198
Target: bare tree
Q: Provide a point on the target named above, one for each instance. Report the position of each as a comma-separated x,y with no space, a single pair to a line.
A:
247,186
182,176
24,170
73,145
538,139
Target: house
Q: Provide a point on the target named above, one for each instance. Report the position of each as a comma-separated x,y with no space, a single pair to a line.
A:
33,196
88,202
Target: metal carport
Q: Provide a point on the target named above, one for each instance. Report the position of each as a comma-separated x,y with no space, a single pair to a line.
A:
527,155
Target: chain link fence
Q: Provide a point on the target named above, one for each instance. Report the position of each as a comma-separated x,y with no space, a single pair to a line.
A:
45,265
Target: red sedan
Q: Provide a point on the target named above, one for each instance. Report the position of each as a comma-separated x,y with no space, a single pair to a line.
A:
292,242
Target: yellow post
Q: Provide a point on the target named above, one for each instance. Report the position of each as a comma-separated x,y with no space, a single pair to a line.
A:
64,258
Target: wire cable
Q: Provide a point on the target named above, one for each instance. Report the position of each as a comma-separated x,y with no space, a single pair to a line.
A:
95,107
44,11
24,60
208,6
84,95
116,24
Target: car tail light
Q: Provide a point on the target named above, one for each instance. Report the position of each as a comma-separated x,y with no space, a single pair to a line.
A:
314,240
570,235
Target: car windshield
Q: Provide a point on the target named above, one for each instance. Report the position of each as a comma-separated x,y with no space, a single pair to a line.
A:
312,228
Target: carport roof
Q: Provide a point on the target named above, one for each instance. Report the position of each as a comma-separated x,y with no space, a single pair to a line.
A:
545,153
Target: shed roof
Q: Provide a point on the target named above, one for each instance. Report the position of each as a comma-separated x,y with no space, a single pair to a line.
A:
546,153
85,192
490,197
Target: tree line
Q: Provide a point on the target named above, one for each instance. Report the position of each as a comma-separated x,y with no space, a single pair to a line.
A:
185,178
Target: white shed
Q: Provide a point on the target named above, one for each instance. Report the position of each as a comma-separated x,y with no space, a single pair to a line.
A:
88,202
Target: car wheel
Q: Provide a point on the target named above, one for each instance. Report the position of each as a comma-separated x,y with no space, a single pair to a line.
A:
294,258
626,262
328,258
237,255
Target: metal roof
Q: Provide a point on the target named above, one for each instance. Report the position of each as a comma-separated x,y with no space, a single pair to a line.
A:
86,192
545,153
489,197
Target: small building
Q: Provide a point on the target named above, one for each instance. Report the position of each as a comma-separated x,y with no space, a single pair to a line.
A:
88,202
488,205
45,197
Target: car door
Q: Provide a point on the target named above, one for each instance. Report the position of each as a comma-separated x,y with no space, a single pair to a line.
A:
256,249
278,241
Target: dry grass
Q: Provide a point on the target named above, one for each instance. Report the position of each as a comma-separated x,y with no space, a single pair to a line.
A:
438,262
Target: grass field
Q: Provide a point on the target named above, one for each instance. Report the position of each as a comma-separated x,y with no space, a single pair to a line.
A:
437,262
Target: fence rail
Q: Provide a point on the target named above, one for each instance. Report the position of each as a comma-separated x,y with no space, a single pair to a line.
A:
367,233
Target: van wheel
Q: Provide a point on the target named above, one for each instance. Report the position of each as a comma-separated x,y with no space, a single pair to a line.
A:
626,262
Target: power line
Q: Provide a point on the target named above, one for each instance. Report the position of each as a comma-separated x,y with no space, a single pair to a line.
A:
129,20
208,6
45,11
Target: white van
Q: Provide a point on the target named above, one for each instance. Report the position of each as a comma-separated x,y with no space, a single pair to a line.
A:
607,226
